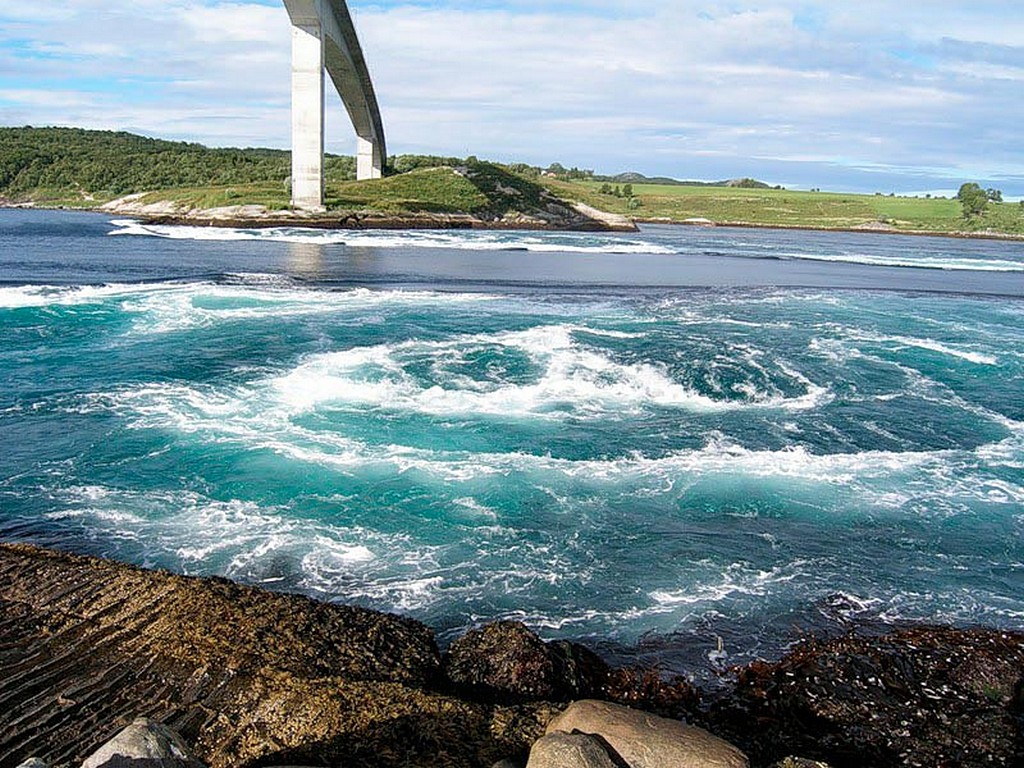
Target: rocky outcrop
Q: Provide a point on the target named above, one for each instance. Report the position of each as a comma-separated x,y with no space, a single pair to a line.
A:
926,696
506,661
245,676
144,744
641,740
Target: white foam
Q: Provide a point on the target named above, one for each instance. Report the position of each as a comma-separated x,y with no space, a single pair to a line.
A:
573,380
918,262
560,242
16,297
978,358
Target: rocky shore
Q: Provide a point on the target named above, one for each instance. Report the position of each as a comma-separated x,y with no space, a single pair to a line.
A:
244,677
552,214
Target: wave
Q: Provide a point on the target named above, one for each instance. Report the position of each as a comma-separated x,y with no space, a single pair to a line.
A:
943,263
572,379
560,242
21,296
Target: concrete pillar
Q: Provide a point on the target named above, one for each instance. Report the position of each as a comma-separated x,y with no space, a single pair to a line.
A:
308,117
368,165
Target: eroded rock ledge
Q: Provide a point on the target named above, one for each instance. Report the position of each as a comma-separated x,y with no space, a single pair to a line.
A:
252,678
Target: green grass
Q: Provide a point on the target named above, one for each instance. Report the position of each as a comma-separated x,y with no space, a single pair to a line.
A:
482,187
771,207
433,190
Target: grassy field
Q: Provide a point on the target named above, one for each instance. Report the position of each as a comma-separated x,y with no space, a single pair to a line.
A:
434,190
773,207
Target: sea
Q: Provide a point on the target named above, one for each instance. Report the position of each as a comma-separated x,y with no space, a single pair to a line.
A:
684,447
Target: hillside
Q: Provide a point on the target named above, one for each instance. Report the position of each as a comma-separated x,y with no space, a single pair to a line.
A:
175,181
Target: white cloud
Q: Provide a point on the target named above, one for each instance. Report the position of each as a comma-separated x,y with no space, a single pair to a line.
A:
678,87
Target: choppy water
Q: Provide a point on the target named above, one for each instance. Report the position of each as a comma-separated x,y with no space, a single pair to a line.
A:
644,441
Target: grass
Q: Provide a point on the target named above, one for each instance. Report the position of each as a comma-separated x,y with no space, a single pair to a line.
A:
772,207
477,188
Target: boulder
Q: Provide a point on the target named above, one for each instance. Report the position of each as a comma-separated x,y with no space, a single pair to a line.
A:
569,750
507,660
935,696
645,741
34,762
143,744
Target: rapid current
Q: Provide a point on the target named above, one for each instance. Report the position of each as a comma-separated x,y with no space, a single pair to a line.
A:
646,442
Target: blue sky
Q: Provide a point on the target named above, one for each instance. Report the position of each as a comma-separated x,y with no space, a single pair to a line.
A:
869,95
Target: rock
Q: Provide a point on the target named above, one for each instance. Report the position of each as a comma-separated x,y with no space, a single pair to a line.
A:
647,741
34,762
507,660
569,750
143,744
248,677
934,696
507,764
800,762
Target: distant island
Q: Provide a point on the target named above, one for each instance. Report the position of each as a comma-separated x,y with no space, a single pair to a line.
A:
180,182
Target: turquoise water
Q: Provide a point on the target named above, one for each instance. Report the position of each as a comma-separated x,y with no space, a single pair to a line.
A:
646,442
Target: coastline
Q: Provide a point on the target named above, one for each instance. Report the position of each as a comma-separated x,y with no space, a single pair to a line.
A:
250,677
866,229
590,220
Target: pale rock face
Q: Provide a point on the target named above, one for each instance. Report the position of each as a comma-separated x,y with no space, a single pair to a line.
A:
569,750
143,744
646,741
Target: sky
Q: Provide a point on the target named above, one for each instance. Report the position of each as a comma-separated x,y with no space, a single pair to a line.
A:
867,95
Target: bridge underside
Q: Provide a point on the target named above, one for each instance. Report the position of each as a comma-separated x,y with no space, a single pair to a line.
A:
324,38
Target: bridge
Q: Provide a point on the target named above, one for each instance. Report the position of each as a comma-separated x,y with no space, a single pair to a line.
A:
324,37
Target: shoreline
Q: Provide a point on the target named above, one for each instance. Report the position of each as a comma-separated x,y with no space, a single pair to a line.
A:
250,676
464,221
867,229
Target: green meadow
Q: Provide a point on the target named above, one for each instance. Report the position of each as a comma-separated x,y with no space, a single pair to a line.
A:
786,208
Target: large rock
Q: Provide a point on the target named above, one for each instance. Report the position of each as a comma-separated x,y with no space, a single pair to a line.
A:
926,696
646,741
569,750
507,660
144,744
246,676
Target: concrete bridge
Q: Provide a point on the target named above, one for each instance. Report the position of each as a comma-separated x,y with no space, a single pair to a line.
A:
323,37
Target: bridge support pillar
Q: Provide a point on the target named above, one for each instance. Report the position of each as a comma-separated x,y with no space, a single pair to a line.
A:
308,117
368,160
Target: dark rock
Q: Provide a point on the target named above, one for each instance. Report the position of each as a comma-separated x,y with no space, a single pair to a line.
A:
506,660
144,744
642,740
570,750
925,696
246,676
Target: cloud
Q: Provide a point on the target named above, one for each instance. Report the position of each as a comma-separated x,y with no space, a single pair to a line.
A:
867,95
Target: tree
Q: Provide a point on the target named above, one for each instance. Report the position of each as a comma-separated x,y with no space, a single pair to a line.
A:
627,190
973,199
994,195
